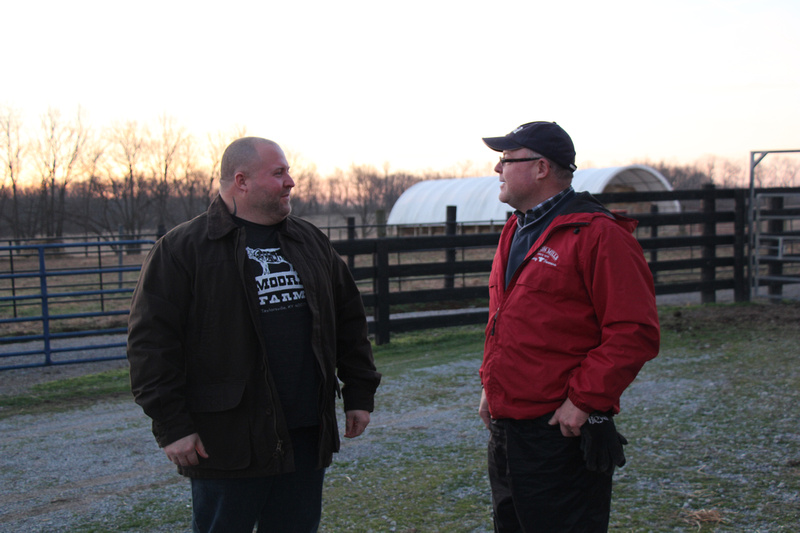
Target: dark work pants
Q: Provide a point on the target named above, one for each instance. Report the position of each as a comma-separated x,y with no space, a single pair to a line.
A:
540,483
285,503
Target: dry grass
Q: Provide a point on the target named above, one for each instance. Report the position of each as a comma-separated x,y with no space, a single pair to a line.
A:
697,518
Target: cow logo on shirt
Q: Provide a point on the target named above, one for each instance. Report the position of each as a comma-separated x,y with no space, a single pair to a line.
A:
279,286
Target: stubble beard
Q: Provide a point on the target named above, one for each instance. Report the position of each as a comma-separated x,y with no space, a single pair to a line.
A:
277,210
284,207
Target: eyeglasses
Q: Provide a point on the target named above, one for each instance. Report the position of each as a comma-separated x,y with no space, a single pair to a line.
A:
504,160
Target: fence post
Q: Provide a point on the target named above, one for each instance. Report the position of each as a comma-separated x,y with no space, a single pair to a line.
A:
708,271
741,291
381,289
450,253
120,260
380,221
13,279
45,307
100,276
654,234
775,228
351,236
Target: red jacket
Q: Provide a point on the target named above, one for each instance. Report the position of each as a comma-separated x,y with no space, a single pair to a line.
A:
577,320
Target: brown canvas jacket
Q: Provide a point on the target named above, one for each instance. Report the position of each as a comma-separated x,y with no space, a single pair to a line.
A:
197,354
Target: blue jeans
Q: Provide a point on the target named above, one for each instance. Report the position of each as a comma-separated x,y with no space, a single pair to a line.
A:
285,503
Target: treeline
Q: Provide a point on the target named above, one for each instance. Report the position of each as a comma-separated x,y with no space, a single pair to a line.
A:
776,171
64,177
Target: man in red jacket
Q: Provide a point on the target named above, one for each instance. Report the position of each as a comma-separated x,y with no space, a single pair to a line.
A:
573,320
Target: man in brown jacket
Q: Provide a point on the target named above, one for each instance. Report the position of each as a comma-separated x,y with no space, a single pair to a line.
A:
240,324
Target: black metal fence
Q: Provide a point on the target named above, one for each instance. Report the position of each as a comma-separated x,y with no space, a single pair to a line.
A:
700,247
61,302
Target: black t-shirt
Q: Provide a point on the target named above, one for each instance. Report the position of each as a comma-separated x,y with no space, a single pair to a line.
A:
286,324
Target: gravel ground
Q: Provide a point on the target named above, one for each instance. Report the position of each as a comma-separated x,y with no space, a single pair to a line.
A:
62,470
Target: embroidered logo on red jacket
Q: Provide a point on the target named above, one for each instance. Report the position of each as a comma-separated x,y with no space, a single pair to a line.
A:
547,255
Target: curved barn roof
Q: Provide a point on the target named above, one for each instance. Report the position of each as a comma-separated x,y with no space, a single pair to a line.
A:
476,198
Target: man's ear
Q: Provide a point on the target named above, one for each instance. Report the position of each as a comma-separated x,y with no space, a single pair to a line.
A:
240,181
542,169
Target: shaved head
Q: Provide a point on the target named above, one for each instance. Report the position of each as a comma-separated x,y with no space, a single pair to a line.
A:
254,182
241,156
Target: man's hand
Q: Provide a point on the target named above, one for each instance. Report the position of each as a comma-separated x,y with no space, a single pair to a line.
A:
570,418
601,444
483,410
184,452
356,423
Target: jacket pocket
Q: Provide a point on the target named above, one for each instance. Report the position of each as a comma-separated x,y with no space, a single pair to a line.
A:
215,397
223,423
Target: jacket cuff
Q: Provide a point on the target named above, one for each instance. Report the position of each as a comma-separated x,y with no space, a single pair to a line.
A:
586,408
168,432
355,400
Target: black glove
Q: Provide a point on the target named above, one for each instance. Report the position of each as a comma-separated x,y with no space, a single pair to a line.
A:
601,444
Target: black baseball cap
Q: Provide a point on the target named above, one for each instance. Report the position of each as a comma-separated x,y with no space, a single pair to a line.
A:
546,138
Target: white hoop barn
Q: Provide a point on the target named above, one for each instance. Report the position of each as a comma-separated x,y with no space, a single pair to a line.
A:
425,203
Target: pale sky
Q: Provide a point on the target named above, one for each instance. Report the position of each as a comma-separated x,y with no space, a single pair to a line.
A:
418,83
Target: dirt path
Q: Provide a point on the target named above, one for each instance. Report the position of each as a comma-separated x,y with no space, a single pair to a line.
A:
80,463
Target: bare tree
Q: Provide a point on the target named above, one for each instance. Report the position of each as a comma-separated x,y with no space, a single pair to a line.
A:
366,192
336,191
782,172
11,156
468,169
722,172
192,189
731,175
216,147
306,193
395,184
90,206
89,201
166,148
130,183
60,149
682,176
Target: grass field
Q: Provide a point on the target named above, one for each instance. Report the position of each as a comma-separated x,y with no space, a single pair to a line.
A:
712,424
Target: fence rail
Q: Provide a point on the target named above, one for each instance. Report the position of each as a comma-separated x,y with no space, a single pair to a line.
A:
60,304
59,295
776,242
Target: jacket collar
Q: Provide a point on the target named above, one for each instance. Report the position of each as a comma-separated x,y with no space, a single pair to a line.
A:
585,203
221,223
